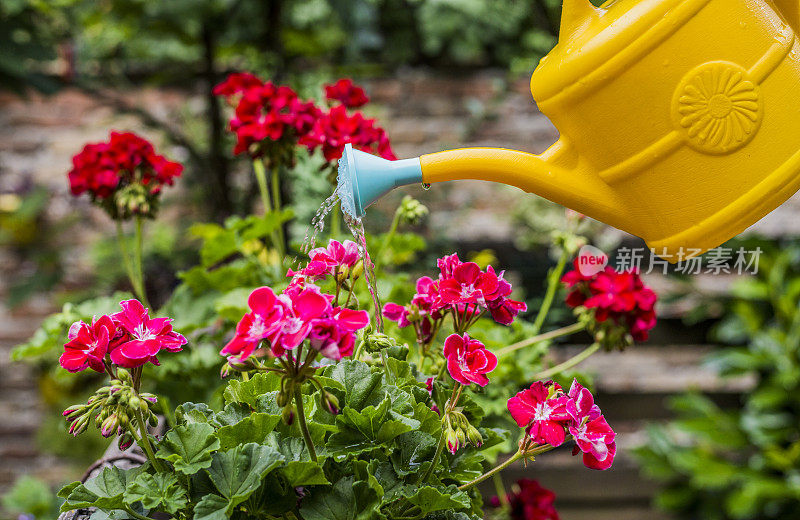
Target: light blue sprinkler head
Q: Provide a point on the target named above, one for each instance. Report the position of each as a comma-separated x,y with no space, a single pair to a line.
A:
364,178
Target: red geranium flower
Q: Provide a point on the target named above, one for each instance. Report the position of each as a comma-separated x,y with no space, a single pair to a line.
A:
542,410
468,361
88,345
621,298
146,336
347,93
261,323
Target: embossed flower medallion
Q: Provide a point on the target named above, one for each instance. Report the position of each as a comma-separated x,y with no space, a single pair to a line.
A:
717,107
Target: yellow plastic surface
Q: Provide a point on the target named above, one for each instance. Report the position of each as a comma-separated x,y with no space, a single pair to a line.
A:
679,119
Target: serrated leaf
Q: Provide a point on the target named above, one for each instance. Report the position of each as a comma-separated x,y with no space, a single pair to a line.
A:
103,491
211,507
430,499
194,413
161,490
304,473
345,500
415,448
248,392
254,428
362,386
189,447
239,471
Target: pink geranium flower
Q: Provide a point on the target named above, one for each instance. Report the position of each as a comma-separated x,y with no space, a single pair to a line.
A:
593,436
595,439
326,260
261,323
146,336
468,361
88,345
542,410
334,337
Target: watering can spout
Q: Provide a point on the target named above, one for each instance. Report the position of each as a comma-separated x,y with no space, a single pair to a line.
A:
363,178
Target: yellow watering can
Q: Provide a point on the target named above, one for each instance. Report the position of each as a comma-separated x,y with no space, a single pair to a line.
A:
679,122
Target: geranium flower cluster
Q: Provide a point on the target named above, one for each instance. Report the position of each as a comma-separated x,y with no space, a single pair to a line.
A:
619,299
463,291
300,312
337,259
548,415
129,338
124,175
530,501
270,118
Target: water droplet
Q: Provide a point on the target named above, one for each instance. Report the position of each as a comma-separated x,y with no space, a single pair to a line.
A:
426,186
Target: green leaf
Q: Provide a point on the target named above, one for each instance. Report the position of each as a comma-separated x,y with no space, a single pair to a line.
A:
189,447
365,430
254,428
430,499
304,473
211,507
194,413
161,490
248,392
415,448
103,491
346,500
239,471
362,385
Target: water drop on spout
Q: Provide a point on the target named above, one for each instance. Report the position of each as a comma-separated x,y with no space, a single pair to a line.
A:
426,186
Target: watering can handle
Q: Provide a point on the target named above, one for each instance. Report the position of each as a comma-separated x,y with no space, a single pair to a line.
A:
790,10
576,187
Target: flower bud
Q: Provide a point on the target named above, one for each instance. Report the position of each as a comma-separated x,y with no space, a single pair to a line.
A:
124,375
225,371
357,270
452,441
109,426
377,341
288,415
73,411
474,436
462,438
152,420
411,210
330,403
282,399
125,441
79,426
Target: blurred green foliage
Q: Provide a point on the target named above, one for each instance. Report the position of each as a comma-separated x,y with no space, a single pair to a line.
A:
31,499
743,463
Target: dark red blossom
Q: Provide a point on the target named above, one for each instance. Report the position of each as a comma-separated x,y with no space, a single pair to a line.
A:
347,93
621,298
530,501
336,128
126,161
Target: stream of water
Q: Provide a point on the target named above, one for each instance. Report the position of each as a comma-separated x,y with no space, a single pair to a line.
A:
356,227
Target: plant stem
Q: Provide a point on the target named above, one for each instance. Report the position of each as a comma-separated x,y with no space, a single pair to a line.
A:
500,489
138,252
276,205
389,373
491,472
439,450
301,418
566,365
126,260
261,178
553,334
553,281
145,442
